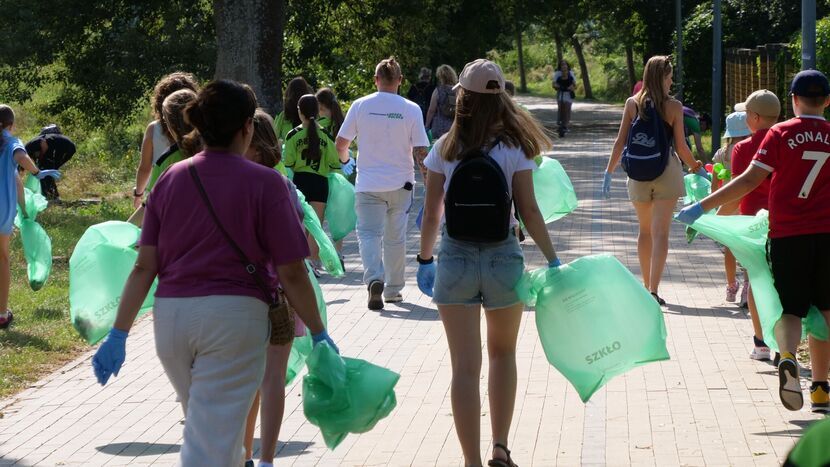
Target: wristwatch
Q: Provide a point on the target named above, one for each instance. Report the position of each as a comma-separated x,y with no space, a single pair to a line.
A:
424,261
136,194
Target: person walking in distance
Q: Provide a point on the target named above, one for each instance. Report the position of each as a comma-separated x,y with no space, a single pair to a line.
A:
390,131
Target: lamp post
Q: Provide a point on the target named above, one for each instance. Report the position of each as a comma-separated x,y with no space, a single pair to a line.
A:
808,34
678,18
717,77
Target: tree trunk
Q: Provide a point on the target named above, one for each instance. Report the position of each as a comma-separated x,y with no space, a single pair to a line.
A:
522,80
249,38
583,67
557,38
629,62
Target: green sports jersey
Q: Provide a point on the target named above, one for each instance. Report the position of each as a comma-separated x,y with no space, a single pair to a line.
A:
325,123
170,157
812,449
282,126
297,141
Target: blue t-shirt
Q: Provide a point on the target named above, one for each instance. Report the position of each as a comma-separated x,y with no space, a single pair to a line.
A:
8,179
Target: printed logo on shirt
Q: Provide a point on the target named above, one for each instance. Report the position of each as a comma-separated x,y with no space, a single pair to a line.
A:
390,115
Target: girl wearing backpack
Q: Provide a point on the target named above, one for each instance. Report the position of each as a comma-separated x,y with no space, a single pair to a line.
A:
654,200
472,274
442,104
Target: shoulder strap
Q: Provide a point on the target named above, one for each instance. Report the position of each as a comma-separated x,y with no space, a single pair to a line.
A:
249,266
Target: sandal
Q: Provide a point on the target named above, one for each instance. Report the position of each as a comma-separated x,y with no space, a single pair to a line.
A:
660,301
501,462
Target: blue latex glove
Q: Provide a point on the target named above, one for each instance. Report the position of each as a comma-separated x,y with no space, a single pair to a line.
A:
554,263
703,173
348,167
426,278
606,185
324,337
56,174
690,214
110,356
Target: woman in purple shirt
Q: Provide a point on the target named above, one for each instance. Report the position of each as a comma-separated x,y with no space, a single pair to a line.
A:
210,317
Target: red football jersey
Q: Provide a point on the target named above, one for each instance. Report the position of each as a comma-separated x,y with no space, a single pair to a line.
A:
742,155
796,152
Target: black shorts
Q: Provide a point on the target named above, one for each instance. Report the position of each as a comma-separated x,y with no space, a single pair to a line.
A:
801,271
313,186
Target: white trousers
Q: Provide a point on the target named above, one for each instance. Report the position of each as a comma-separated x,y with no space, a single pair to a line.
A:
213,351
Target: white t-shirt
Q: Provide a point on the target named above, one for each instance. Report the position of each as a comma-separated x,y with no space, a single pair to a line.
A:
160,141
387,127
511,160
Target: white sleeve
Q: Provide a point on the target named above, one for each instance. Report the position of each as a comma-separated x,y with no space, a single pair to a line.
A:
434,162
348,130
417,133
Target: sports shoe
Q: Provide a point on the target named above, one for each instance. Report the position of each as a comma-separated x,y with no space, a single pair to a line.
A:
6,321
731,292
776,359
820,397
761,351
789,387
249,463
375,295
397,298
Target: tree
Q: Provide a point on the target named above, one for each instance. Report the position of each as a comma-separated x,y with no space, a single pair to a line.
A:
249,38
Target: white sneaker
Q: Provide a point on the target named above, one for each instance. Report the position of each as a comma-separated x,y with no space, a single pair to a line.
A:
397,298
760,353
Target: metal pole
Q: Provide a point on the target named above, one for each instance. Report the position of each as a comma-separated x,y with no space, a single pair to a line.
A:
678,76
717,76
808,34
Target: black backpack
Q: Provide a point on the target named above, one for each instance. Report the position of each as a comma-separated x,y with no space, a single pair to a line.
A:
648,149
477,205
447,105
51,129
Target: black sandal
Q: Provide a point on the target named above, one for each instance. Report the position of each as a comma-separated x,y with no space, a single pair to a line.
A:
501,462
660,301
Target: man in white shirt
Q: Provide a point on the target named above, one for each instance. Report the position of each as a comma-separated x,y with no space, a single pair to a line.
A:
390,132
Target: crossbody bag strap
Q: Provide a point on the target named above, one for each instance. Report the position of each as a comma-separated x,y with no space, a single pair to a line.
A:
249,266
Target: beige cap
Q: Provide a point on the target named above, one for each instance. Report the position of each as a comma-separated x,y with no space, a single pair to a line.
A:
482,76
761,102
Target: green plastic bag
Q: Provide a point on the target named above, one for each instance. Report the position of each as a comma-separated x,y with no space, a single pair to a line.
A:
301,347
328,254
555,193
340,212
37,246
595,320
98,269
697,188
746,238
345,395
33,184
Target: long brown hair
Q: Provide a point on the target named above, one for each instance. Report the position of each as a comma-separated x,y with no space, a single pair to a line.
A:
326,97
6,119
479,118
180,129
310,109
264,140
656,70
296,88
166,86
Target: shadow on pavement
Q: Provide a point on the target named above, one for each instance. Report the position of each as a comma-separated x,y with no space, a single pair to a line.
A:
137,449
411,311
292,448
800,424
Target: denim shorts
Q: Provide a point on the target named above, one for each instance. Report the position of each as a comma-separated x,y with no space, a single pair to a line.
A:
478,273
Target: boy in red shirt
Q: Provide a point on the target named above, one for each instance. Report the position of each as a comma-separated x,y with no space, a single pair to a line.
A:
795,153
762,109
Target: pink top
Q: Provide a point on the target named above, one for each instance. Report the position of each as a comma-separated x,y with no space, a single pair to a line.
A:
253,203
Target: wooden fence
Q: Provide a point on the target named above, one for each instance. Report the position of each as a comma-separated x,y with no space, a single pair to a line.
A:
769,66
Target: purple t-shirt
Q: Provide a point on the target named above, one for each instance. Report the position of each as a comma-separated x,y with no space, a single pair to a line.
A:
253,204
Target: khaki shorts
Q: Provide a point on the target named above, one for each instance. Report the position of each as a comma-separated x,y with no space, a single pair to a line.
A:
668,186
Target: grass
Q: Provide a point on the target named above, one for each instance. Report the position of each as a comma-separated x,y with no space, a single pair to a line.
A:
41,337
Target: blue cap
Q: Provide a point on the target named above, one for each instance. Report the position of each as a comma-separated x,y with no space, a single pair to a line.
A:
810,83
736,125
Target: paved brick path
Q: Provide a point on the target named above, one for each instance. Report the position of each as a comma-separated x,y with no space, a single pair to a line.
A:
708,405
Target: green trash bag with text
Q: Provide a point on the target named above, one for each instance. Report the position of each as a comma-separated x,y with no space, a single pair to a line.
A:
345,395
697,188
328,254
301,346
555,194
746,238
595,320
37,246
98,269
340,213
